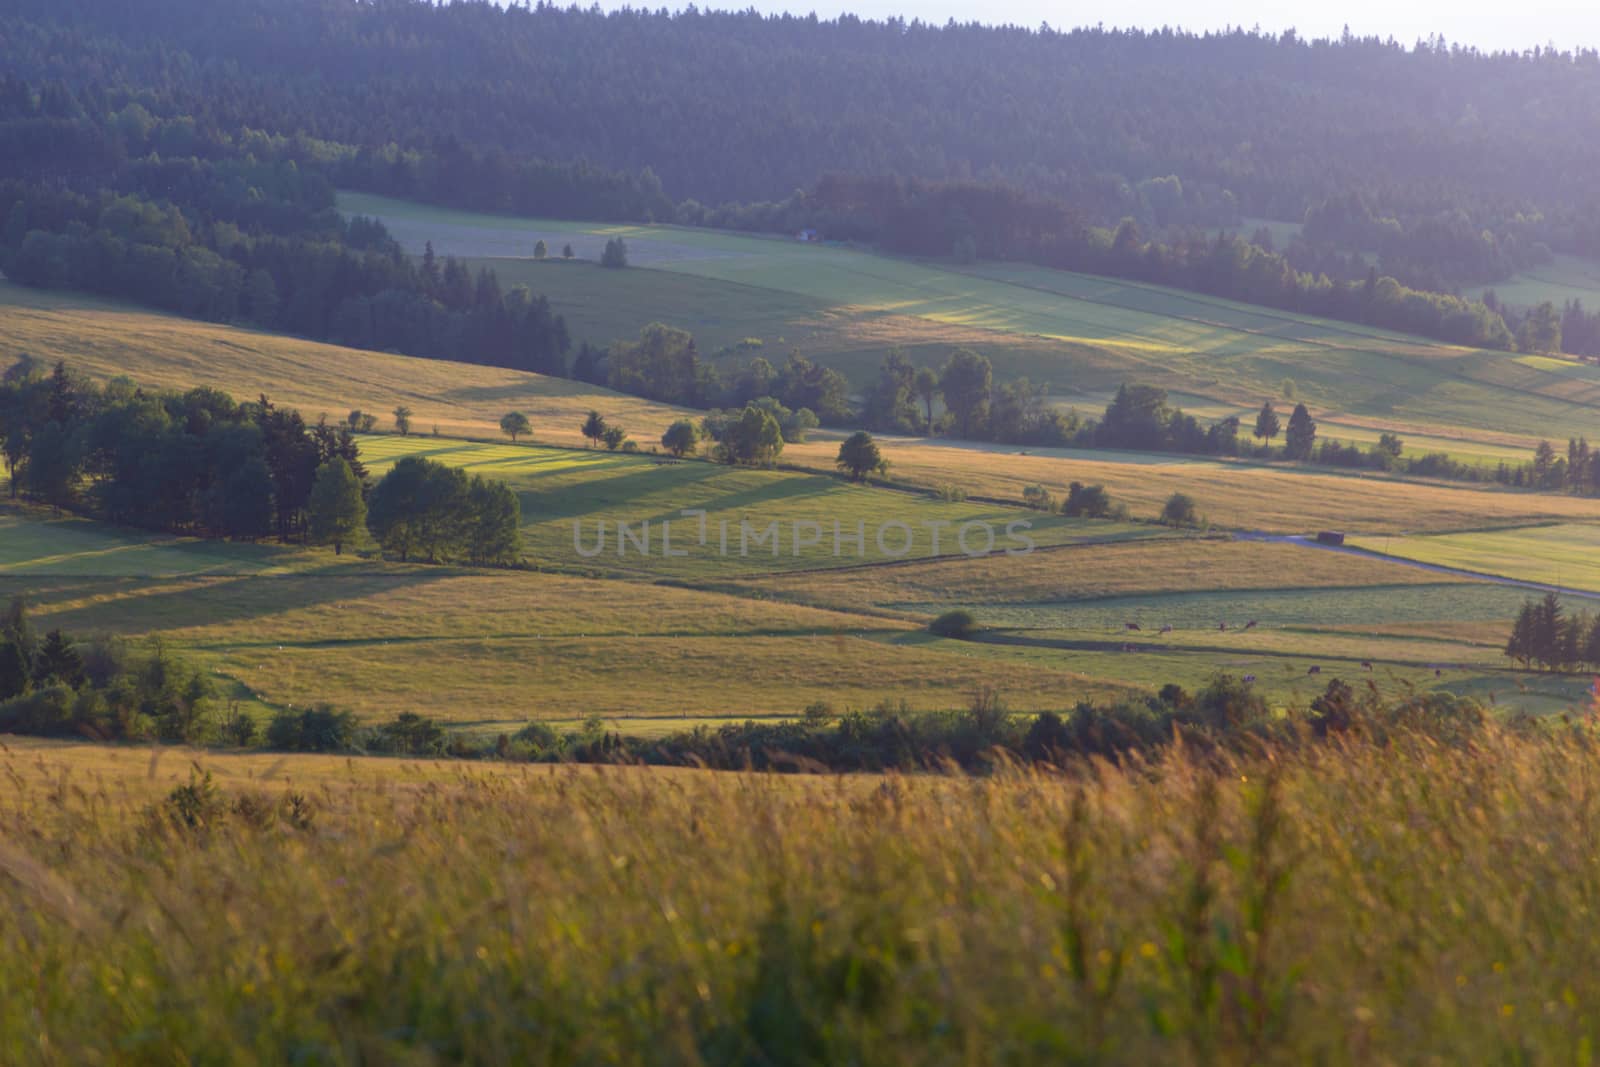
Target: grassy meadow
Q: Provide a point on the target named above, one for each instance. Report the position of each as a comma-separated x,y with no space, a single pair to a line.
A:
105,339
1258,910
1073,332
1563,555
489,650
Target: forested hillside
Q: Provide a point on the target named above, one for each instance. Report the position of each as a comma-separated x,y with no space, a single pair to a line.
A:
1109,152
741,107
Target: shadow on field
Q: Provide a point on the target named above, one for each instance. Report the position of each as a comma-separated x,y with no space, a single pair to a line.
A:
140,606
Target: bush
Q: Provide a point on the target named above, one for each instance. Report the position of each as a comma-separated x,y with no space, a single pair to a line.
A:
409,735
237,730
1039,498
1086,502
319,729
1179,510
959,624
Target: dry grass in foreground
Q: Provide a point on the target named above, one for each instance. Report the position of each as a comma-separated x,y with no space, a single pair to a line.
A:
1425,901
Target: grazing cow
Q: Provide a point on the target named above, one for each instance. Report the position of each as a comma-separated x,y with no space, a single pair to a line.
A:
1222,625
1167,629
1314,670
1130,625
1437,673
1366,665
1251,625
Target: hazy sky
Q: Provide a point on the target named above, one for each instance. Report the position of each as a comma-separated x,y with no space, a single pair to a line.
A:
1497,25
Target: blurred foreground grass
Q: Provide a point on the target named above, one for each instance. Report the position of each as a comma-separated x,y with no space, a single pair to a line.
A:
1419,901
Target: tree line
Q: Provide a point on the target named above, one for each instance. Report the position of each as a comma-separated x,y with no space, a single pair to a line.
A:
196,462
59,685
966,221
237,230
1546,636
1168,127
103,102
200,463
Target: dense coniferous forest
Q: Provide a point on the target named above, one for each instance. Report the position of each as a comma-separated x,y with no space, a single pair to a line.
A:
184,154
736,106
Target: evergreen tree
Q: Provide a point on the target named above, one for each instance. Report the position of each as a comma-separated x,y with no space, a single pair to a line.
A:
58,662
1521,645
594,428
1301,436
1267,424
14,671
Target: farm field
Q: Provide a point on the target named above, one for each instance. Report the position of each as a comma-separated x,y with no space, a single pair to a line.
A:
1565,555
1332,611
104,339
1098,331
486,650
1564,278
561,487
1234,495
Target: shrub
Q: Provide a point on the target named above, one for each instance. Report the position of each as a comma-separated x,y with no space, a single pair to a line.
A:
1039,498
410,735
959,624
319,729
1087,502
1179,510
238,729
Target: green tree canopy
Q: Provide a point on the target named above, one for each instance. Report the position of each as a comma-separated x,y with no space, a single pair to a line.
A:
859,456
1301,436
514,424
681,438
338,511
966,381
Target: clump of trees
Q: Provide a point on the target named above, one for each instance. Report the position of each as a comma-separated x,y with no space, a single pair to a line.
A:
1180,510
425,509
61,685
194,462
1546,636
753,438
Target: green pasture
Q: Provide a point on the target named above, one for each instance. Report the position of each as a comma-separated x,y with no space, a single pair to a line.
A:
41,544
485,650
1070,331
563,487
1565,555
